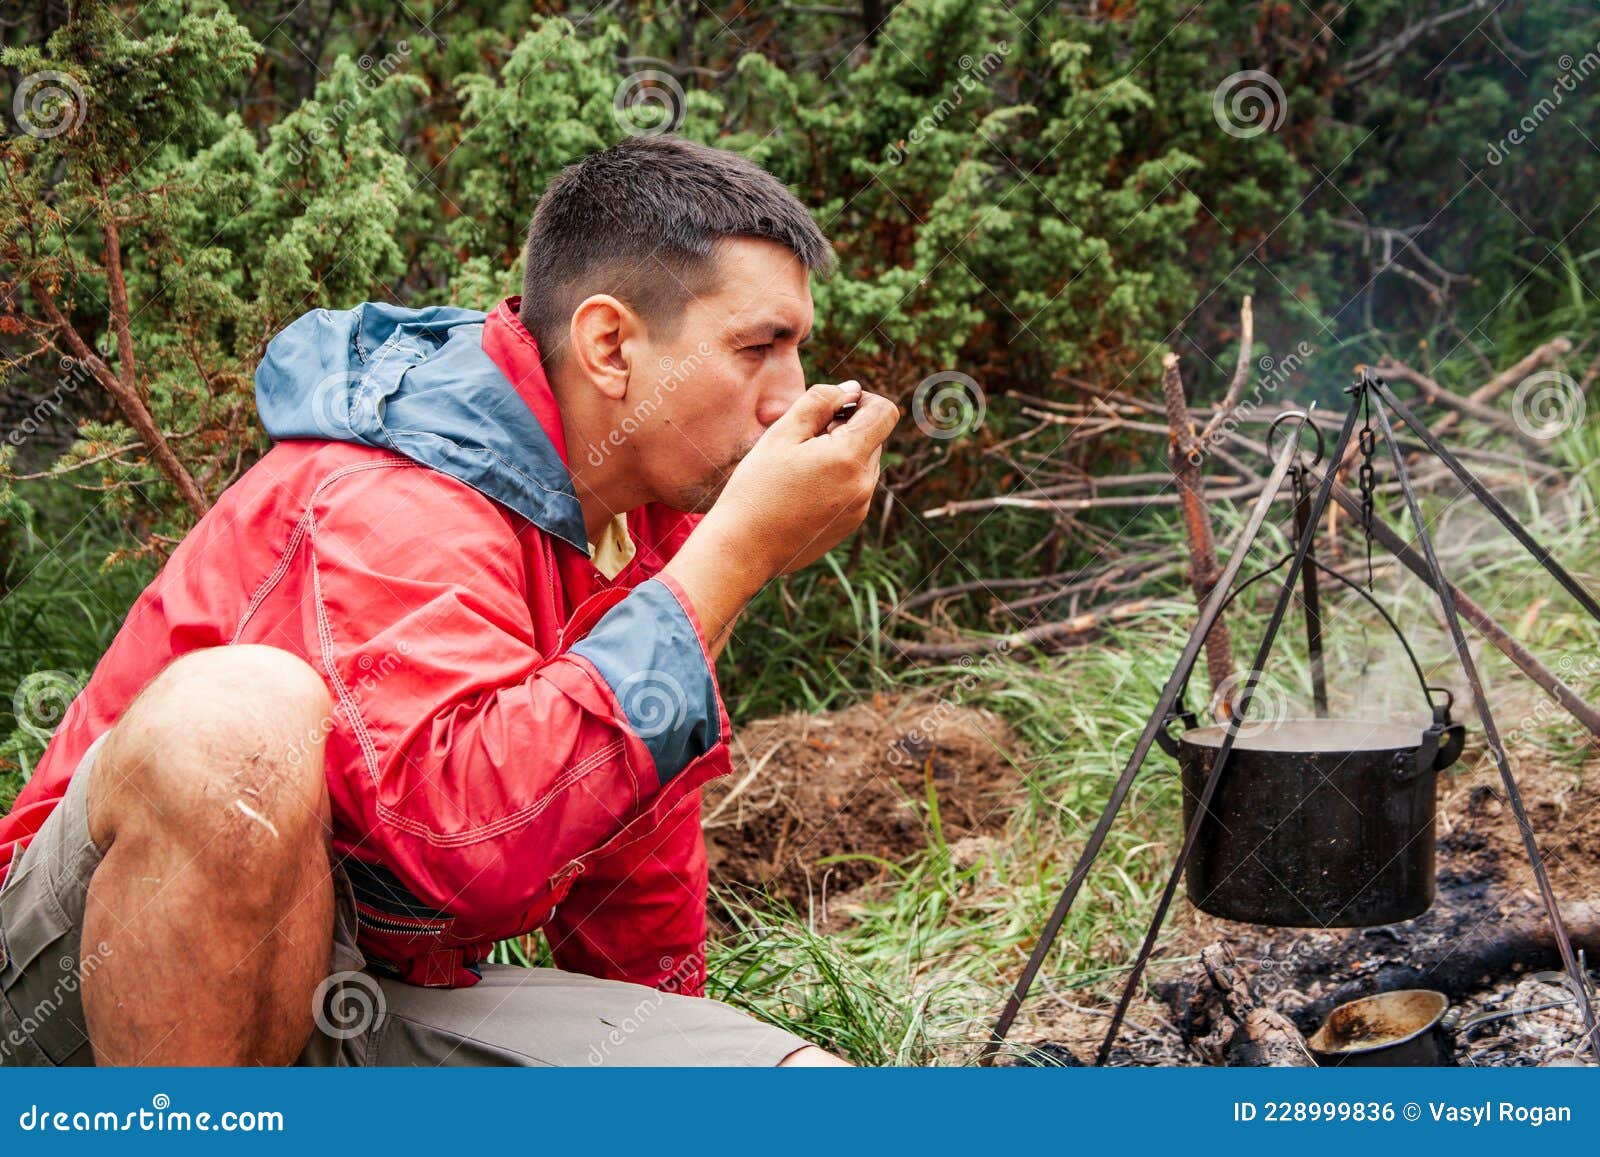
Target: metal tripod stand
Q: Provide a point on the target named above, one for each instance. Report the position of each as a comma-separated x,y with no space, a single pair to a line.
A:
1369,394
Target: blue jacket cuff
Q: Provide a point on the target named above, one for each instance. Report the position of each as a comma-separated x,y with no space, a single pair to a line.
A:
649,653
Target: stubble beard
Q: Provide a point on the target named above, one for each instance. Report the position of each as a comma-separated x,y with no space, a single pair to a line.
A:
701,496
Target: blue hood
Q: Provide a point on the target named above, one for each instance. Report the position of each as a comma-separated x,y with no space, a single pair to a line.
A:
416,381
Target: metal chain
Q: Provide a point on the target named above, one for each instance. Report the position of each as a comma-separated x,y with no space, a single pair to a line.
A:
1367,476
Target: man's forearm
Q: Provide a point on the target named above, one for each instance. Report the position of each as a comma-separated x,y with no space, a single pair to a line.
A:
718,582
721,639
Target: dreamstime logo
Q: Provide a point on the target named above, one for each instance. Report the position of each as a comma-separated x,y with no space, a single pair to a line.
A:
673,375
41,701
948,405
1249,103
48,104
973,74
73,374
653,701
1574,73
374,72
1274,372
1268,707
677,974
656,91
347,1004
1547,404
1291,959
1571,671
1547,1013
904,751
333,405
73,972
357,683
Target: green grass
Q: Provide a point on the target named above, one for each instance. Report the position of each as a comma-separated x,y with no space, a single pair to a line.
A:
59,611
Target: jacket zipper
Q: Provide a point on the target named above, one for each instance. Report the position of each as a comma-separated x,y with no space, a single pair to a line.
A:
383,925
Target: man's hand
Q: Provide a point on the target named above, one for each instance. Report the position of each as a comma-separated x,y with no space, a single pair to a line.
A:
804,486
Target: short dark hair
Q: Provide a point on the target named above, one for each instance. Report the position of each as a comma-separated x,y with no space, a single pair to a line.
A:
642,220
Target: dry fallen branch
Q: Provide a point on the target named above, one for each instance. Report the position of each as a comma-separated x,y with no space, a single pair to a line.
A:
1438,395
1184,455
1549,352
1242,1031
1030,501
1077,625
1116,581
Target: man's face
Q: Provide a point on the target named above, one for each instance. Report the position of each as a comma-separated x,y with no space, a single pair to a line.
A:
730,370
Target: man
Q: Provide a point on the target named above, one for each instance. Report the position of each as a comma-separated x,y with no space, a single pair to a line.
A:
439,670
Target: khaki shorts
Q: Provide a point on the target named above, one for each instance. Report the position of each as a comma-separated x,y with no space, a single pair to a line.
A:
513,1016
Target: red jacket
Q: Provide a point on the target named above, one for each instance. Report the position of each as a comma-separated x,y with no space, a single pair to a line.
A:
516,741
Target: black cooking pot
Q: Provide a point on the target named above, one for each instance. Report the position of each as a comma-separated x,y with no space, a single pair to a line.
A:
1325,823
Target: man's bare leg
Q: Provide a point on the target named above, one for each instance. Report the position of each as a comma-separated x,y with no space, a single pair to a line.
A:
214,895
811,1057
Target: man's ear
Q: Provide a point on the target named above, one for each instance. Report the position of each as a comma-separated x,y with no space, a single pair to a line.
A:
602,330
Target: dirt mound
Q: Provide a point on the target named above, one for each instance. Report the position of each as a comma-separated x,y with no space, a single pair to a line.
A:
855,783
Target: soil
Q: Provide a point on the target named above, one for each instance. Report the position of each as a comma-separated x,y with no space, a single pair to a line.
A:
854,783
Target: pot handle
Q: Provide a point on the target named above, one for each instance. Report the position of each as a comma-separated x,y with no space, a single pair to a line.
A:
1443,739
1165,738
1351,584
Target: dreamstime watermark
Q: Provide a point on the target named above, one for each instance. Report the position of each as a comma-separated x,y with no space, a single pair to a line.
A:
654,702
908,748
949,404
369,672
331,405
678,973
656,92
1546,1008
973,74
374,72
49,103
160,1117
1249,103
1547,712
1291,957
41,701
1274,373
1269,704
1573,74
1548,404
73,973
74,374
347,1004
673,375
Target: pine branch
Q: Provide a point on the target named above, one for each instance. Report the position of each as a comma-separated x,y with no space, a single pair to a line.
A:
126,397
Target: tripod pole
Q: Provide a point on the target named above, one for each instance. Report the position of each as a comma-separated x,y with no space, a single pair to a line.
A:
1202,807
1158,720
1469,668
1510,647
1481,492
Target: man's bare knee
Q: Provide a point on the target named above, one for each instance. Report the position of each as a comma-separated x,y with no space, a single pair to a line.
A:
811,1057
217,763
225,741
